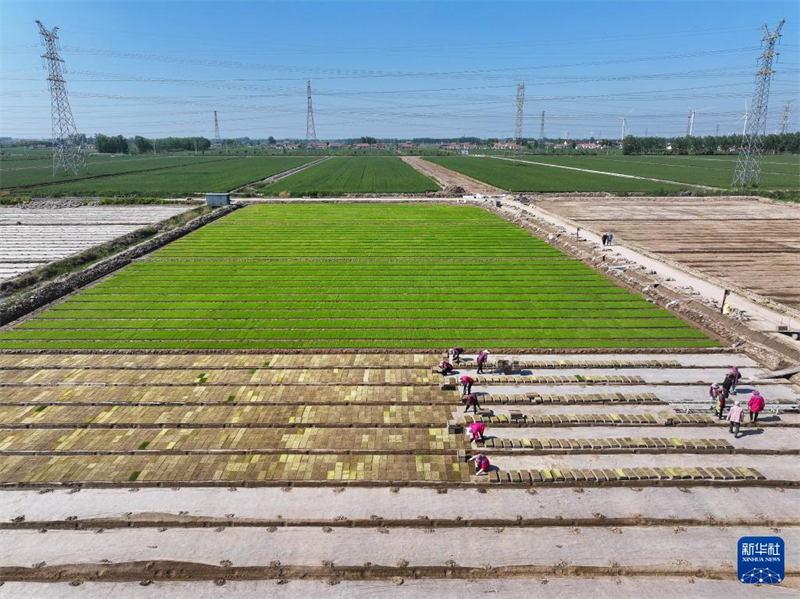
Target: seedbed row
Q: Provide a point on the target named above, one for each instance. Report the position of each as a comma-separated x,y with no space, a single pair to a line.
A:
341,323
116,314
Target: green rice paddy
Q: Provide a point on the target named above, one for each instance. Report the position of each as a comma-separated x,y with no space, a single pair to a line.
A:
212,175
325,275
525,176
779,172
339,176
39,171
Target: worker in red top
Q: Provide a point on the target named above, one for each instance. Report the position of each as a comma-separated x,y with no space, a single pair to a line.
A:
466,384
476,431
472,402
755,405
482,464
482,358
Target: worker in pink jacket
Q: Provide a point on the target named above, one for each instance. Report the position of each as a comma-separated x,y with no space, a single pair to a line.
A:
477,431
756,404
466,384
482,464
736,417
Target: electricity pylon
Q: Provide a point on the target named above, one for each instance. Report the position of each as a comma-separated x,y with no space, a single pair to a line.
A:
311,130
518,125
784,125
541,132
67,150
751,153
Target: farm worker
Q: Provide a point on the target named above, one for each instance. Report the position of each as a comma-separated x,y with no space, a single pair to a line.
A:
476,431
713,391
456,353
735,376
756,404
482,357
726,308
604,238
466,384
472,402
445,367
610,237
736,416
719,400
482,464
727,384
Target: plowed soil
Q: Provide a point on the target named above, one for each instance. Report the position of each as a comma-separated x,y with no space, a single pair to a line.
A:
747,243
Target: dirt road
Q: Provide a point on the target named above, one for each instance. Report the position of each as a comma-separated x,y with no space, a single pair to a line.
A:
447,178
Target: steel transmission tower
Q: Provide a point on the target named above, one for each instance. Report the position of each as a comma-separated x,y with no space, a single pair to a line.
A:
311,130
67,150
541,132
518,124
690,125
784,126
217,140
748,165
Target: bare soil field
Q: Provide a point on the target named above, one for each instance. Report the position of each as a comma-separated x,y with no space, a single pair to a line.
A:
747,243
449,179
31,237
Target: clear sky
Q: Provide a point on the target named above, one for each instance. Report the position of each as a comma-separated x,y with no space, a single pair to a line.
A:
395,69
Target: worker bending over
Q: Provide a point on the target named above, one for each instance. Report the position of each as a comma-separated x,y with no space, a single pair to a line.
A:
472,402
455,354
482,464
477,430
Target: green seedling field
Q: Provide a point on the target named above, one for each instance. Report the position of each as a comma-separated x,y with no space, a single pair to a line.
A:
39,171
524,176
328,276
779,172
215,175
345,175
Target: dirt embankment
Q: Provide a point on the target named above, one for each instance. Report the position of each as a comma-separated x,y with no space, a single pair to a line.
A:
450,179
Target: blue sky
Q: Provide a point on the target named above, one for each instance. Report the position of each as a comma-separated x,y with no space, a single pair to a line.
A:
395,69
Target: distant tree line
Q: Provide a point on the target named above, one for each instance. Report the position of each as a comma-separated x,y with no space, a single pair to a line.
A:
782,143
107,144
117,144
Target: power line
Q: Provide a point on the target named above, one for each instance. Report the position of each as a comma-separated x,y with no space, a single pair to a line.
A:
749,162
340,73
67,150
